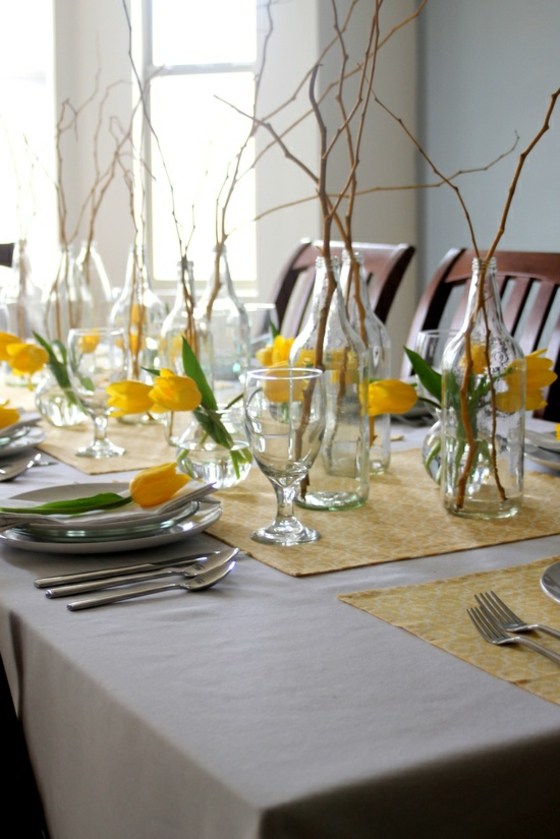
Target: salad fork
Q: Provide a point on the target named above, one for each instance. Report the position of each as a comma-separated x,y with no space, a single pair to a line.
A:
506,618
494,634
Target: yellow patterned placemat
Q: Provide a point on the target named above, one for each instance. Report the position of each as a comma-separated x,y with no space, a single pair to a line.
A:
403,518
436,612
145,446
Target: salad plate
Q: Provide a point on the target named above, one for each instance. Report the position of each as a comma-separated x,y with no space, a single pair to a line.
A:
544,440
207,513
22,444
550,581
543,456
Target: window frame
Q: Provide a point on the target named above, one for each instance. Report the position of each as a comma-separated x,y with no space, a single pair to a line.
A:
147,70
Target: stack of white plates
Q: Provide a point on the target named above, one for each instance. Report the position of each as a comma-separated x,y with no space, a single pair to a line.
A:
20,437
102,531
543,447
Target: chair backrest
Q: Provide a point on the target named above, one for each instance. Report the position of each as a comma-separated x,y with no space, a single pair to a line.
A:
385,265
529,286
6,254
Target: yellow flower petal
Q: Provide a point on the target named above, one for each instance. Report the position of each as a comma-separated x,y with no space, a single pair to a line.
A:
157,484
7,338
26,358
8,415
171,392
390,396
129,397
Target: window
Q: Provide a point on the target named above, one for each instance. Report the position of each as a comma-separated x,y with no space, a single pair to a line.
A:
199,56
27,197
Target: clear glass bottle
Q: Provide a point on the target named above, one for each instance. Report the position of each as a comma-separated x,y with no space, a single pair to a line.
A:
65,301
94,280
375,336
225,318
182,321
141,313
21,297
339,477
483,408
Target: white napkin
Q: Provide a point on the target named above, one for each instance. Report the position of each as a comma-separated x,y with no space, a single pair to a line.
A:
131,513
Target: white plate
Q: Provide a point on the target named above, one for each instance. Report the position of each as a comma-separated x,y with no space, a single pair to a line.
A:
543,456
550,581
207,513
544,440
128,516
22,444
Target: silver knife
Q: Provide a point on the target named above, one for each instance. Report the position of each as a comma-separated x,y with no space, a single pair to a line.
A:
102,573
188,569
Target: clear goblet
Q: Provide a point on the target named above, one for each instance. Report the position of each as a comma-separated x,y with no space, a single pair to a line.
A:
285,409
96,357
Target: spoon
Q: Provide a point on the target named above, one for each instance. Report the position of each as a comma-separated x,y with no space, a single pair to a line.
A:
198,583
193,569
12,470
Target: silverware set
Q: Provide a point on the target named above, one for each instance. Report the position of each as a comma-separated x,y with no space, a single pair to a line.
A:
498,624
114,585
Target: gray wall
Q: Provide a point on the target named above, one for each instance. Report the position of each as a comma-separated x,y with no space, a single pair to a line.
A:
487,69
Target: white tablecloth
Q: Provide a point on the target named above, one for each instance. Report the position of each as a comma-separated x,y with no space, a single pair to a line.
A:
267,709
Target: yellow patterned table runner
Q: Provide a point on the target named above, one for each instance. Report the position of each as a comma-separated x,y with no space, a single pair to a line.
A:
436,612
403,518
145,446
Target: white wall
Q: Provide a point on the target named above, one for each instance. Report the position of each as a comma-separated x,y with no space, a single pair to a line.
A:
488,69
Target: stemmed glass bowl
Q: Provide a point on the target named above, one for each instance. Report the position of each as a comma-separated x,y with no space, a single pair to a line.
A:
96,358
285,410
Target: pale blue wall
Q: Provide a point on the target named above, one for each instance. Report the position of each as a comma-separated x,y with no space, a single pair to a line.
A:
486,69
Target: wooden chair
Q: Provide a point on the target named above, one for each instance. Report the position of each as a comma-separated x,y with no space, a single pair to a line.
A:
529,285
6,254
385,264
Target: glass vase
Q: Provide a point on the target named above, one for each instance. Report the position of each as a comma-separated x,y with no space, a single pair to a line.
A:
66,301
375,336
140,313
431,450
339,477
181,322
483,408
224,319
199,456
20,304
58,405
95,285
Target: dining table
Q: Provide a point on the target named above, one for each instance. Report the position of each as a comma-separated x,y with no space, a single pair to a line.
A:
330,691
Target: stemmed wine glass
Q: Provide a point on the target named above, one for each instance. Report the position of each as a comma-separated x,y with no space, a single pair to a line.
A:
285,410
96,357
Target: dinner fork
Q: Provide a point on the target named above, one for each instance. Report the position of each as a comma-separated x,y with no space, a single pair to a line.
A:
506,618
494,634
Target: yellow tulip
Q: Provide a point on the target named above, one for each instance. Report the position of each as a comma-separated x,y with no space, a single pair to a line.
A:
558,431
276,352
8,415
390,396
6,338
157,485
171,392
26,359
281,388
129,397
539,374
88,343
